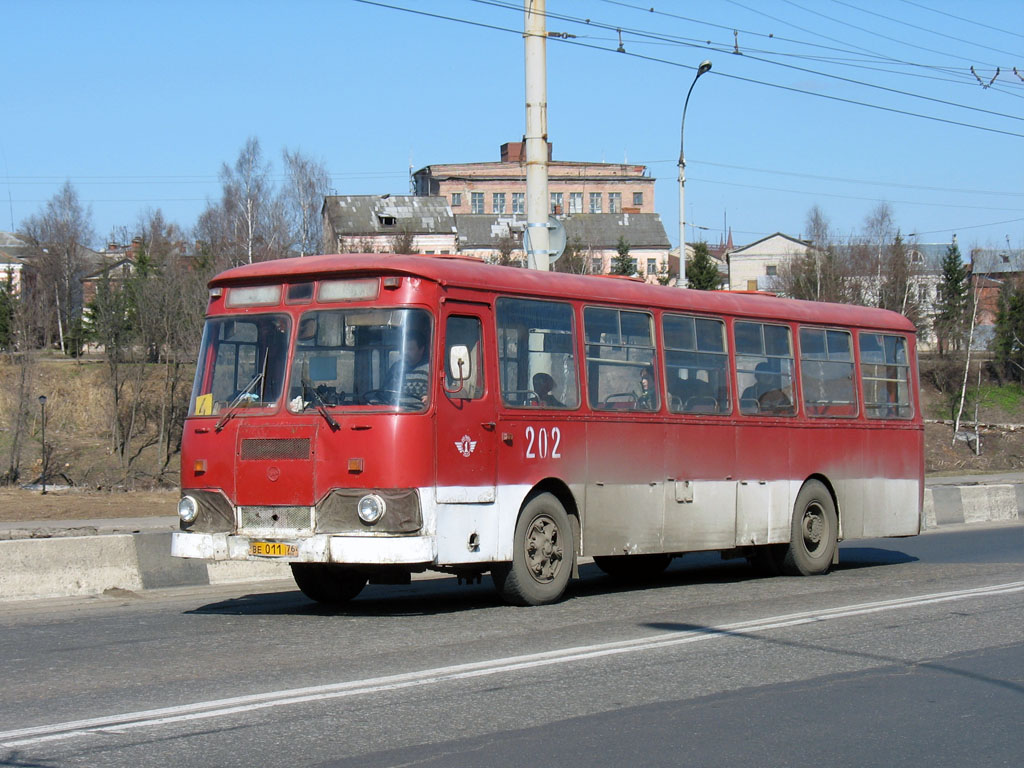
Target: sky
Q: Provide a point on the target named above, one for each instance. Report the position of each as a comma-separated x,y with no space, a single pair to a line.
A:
840,104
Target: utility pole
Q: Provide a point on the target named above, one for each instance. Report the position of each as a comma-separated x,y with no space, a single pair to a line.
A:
536,137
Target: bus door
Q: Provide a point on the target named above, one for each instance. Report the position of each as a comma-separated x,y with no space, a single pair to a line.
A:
466,415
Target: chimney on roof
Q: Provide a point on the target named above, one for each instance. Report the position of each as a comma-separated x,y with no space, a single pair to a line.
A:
515,152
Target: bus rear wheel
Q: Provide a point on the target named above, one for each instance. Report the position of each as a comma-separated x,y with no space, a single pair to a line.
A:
542,555
813,534
328,583
633,567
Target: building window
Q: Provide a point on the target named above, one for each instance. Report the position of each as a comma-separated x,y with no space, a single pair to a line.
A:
597,265
498,202
771,270
636,268
476,202
556,202
575,202
595,202
614,202
638,199
652,266
456,199
518,202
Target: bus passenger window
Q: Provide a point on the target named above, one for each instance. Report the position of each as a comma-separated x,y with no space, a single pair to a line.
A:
885,376
696,364
536,354
826,373
764,369
620,360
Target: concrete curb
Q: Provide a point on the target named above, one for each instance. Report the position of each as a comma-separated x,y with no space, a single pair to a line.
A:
53,559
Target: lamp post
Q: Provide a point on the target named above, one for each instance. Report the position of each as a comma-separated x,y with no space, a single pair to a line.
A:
704,67
42,413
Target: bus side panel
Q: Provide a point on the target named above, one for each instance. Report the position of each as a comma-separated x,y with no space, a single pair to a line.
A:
763,473
700,494
625,496
892,481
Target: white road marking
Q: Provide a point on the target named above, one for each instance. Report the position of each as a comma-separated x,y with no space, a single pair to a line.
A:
242,704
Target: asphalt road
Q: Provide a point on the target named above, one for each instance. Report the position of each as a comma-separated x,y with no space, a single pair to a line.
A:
910,653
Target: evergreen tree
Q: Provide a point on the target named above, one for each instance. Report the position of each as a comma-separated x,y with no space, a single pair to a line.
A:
8,300
1008,342
701,272
622,264
951,308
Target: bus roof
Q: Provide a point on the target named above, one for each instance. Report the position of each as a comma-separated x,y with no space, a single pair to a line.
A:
473,274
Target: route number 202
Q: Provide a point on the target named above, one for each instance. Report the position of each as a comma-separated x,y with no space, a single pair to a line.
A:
543,442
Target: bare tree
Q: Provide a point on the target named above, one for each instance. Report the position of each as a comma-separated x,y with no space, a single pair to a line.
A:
59,236
575,258
21,355
303,195
404,241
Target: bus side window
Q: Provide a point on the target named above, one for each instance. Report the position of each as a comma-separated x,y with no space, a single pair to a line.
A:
764,368
536,354
621,360
885,376
826,372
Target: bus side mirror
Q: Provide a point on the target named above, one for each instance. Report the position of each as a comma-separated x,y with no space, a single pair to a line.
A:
459,364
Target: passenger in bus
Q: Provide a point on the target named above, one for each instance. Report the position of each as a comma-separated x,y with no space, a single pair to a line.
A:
543,384
646,400
766,390
409,377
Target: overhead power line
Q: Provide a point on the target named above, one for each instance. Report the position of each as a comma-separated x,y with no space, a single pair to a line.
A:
602,25
961,18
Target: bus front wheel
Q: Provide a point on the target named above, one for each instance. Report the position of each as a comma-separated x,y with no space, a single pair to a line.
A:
814,532
328,583
542,555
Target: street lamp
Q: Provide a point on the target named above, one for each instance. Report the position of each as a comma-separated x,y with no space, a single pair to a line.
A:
704,67
42,411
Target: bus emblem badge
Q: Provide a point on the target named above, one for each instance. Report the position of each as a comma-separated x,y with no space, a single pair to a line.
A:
465,446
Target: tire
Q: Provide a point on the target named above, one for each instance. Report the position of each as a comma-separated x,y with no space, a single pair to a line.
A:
542,555
328,583
813,533
633,567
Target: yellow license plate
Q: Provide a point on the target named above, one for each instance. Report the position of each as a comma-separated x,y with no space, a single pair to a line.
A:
273,549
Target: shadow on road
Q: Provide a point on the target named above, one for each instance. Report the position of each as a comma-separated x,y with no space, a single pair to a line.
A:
445,595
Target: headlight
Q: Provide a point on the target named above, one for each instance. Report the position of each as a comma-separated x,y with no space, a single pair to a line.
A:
371,508
188,510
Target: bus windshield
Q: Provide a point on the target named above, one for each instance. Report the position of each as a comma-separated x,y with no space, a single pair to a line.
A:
357,357
242,364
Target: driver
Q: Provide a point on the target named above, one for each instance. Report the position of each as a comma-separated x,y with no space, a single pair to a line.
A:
409,377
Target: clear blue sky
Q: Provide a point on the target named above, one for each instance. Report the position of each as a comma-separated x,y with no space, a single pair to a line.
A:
139,103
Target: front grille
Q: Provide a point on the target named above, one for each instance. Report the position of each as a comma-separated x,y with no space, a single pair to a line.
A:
264,518
264,448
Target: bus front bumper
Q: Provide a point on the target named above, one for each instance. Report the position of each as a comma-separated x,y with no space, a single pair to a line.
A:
319,548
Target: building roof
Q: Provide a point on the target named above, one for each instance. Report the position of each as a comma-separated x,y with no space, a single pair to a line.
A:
362,215
991,261
595,230
802,244
13,249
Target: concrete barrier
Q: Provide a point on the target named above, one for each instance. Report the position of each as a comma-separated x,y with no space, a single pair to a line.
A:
40,560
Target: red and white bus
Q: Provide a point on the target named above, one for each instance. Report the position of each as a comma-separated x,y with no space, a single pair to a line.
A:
366,417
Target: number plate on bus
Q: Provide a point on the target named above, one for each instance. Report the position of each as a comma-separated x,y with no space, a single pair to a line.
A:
273,549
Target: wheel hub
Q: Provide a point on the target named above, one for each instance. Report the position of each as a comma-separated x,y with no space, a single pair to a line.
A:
543,549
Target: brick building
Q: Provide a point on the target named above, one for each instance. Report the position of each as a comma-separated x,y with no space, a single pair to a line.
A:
499,188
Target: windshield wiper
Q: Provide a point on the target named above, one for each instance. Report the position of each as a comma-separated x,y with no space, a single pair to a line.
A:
245,393
321,406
